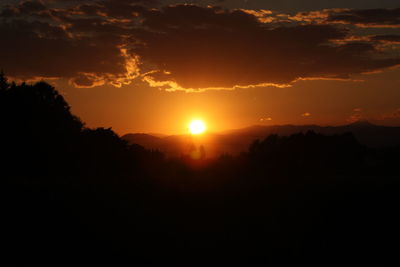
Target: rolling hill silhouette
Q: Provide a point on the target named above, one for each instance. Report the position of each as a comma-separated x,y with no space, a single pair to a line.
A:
235,141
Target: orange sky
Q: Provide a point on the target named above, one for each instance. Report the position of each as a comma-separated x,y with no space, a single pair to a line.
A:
152,66
136,108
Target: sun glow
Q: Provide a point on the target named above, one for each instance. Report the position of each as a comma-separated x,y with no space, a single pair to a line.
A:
197,127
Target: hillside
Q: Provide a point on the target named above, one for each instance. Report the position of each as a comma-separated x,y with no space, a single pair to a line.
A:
236,141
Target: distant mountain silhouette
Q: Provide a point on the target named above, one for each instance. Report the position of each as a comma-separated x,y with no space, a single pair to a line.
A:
147,140
238,140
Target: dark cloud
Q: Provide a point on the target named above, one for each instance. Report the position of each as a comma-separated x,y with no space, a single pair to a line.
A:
195,17
368,17
31,6
33,49
387,38
231,48
376,18
54,42
22,8
181,46
124,8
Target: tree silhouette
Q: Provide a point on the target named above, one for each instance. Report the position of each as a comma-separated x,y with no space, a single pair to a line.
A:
3,82
80,195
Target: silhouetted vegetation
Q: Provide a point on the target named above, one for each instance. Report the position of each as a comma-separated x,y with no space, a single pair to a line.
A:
75,196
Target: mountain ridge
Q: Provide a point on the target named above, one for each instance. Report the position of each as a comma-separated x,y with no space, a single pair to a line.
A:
236,141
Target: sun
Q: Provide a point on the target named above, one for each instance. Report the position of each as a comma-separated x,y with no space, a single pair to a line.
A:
197,127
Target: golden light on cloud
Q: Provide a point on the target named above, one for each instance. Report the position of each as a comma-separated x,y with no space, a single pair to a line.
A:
197,127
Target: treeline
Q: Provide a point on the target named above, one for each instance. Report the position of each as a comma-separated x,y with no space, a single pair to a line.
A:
79,196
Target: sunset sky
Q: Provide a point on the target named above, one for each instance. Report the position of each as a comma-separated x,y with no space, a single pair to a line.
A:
152,66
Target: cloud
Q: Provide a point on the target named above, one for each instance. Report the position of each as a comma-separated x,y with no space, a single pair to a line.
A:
27,7
263,15
26,53
87,80
115,8
370,18
64,47
267,119
179,47
355,117
233,48
391,39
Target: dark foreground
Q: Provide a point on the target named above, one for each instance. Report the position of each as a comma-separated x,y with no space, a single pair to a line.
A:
82,197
